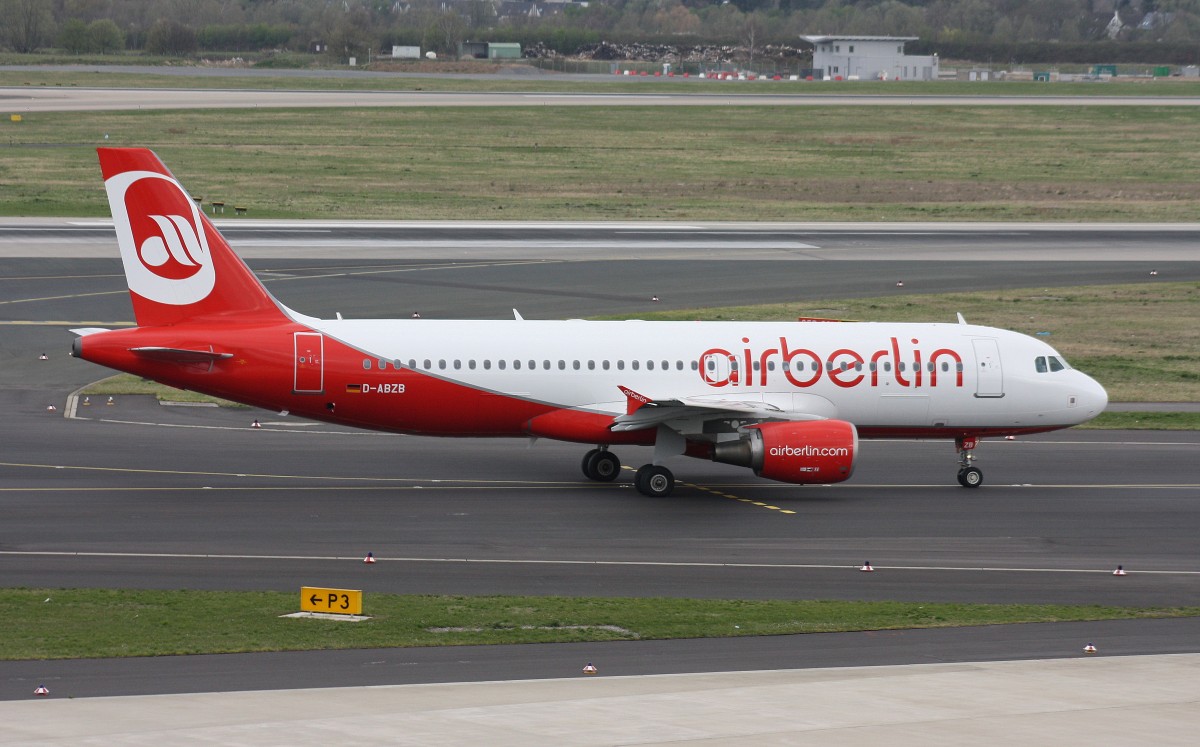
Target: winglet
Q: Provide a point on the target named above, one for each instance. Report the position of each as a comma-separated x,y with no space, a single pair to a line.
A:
633,400
960,318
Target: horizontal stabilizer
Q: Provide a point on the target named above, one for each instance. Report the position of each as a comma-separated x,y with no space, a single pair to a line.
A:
178,355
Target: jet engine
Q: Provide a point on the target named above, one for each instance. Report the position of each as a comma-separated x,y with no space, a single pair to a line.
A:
804,453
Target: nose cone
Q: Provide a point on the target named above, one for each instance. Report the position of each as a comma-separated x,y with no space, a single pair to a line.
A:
1092,399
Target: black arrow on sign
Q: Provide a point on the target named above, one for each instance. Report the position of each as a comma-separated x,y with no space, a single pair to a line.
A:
314,599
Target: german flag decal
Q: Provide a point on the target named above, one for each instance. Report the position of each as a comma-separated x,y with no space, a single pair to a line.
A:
354,388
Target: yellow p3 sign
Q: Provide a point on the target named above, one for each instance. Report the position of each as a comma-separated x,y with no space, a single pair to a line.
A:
335,601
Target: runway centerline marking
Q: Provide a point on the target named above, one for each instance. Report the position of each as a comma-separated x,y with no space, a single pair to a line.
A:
720,494
542,561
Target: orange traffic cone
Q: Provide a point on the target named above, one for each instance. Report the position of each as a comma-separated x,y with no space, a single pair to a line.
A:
1089,649
87,401
41,690
43,357
370,558
1120,571
111,401
51,408
899,283
589,669
256,424
866,567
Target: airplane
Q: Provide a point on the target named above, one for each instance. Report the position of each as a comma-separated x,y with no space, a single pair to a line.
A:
788,400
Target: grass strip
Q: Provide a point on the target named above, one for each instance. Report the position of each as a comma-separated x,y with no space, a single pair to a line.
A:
1145,421
822,163
80,623
489,78
128,384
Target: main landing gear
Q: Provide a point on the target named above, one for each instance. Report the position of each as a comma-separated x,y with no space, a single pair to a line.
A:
651,480
601,465
969,476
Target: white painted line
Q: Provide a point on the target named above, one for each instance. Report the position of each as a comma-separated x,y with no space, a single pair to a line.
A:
633,563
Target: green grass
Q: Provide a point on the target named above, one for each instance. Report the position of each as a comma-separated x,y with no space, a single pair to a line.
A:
484,80
128,384
1145,421
79,623
634,163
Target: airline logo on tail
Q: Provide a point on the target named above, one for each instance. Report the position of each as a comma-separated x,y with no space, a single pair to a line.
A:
161,234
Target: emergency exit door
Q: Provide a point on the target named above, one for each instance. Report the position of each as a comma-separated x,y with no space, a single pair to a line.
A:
309,362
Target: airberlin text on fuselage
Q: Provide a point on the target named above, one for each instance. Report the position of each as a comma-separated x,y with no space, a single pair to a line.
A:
845,367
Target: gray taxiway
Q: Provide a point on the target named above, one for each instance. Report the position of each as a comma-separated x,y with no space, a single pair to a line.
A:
143,495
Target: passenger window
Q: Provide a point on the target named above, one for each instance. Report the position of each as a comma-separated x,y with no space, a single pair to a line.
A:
945,367
546,365
562,365
900,367
620,365
382,364
428,365
487,364
1040,364
604,365
649,365
517,365
412,363
591,365
634,365
501,364
366,364
887,365
471,364
532,365
575,365
666,365
442,364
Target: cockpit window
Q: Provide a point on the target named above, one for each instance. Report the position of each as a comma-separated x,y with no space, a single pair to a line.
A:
1049,363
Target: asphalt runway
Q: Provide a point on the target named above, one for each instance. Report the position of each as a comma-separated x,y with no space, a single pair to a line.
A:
30,99
142,495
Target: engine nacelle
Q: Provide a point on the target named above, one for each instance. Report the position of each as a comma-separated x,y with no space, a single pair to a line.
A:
804,453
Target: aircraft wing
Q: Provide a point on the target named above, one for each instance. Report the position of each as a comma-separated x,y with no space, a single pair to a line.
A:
648,413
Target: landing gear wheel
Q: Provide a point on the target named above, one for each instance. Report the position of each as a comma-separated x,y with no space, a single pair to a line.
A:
602,466
654,481
971,477
586,464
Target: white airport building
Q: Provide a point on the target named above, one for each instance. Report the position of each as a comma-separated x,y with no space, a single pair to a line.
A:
869,58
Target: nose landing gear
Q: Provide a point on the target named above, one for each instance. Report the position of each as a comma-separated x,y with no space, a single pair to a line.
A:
969,476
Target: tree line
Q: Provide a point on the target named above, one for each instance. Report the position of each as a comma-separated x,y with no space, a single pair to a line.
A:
1000,30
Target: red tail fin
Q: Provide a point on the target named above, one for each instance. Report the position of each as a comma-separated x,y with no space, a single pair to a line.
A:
178,266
